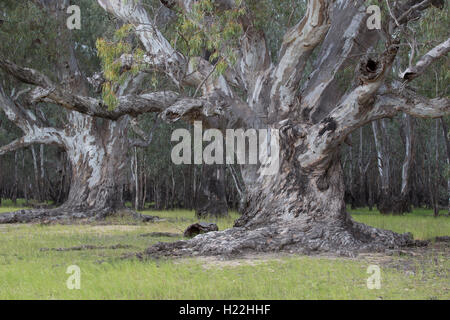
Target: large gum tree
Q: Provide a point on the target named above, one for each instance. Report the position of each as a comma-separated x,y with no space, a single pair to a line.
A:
301,208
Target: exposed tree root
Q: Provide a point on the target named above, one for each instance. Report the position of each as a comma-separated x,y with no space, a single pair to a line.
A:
69,214
443,239
345,240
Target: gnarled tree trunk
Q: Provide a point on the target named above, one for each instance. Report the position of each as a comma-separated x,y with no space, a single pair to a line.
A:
97,149
297,210
98,155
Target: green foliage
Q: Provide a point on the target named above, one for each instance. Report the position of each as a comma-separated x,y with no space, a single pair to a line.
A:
109,53
27,36
211,29
431,30
275,17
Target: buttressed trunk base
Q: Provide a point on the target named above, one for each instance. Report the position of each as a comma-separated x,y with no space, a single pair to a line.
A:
296,211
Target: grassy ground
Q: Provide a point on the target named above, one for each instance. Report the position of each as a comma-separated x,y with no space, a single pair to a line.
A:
27,272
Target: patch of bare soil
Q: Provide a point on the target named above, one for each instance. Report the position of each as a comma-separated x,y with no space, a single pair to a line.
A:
247,260
410,260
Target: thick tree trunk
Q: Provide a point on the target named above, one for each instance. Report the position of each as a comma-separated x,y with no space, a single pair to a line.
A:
97,152
297,210
97,149
98,156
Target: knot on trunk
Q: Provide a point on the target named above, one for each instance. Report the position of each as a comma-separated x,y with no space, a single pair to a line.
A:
369,69
372,68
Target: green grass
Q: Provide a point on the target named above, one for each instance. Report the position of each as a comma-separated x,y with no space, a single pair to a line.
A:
7,204
29,273
421,222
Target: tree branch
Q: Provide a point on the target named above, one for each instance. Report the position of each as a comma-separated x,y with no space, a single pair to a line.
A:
133,105
298,44
191,109
434,54
343,45
159,51
353,113
145,139
30,125
252,54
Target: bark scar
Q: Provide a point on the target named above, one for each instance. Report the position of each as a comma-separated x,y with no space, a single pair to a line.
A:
330,125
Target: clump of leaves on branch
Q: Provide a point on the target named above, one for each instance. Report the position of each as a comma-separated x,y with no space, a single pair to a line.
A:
110,53
219,37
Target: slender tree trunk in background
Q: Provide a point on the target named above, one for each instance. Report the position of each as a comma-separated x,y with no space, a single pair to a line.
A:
191,187
155,194
135,171
403,204
63,182
239,187
362,201
385,203
173,189
422,174
166,194
351,176
16,177
37,183
429,178
436,171
185,191
195,187
211,199
447,149
370,192
26,181
1,181
144,183
42,186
